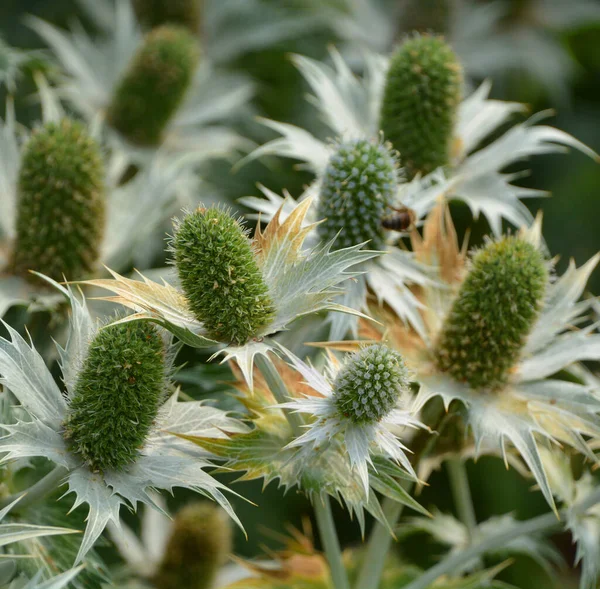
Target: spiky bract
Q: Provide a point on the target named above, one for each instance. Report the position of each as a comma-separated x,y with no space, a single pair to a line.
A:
422,93
220,276
117,395
198,546
154,85
185,13
61,203
369,384
357,188
494,311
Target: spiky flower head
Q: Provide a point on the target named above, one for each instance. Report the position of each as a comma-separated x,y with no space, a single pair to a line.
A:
357,189
220,276
184,13
368,385
117,395
198,546
495,310
154,85
421,97
61,203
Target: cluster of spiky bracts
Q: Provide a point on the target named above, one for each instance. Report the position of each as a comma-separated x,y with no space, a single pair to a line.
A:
183,13
494,311
61,203
421,98
369,384
357,191
117,395
154,85
220,276
198,546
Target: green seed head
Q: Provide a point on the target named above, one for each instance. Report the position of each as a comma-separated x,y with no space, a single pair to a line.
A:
421,98
154,85
357,189
184,13
494,312
117,395
60,208
369,384
198,547
220,276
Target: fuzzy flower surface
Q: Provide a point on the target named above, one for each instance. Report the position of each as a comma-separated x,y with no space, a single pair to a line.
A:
496,344
365,401
112,431
235,291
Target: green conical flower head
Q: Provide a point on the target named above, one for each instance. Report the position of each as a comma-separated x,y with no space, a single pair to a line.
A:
356,192
494,311
117,395
198,546
220,276
61,203
422,93
184,13
154,85
368,386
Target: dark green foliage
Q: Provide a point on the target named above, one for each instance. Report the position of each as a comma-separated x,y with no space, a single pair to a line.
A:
184,13
494,312
369,384
61,202
421,98
117,395
356,192
199,544
220,276
154,85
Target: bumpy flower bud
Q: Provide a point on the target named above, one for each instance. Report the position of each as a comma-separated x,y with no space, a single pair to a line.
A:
356,192
154,85
421,98
220,276
117,395
60,208
494,312
369,384
198,547
153,13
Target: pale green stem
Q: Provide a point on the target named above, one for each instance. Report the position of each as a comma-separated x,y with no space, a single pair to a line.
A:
279,390
542,523
461,493
330,542
379,544
35,493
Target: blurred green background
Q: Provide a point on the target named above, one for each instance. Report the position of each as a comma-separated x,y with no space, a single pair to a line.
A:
571,227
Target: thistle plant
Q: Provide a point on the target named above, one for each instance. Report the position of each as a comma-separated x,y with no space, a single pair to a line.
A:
423,91
154,85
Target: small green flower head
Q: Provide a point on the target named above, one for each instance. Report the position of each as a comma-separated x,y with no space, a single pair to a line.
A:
220,276
421,98
61,203
154,85
198,546
369,384
184,13
358,187
117,395
495,310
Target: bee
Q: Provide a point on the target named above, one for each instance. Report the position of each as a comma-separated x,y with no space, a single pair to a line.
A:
401,219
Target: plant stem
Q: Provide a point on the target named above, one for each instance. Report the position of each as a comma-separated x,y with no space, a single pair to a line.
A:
38,491
542,523
330,542
279,390
461,493
379,544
